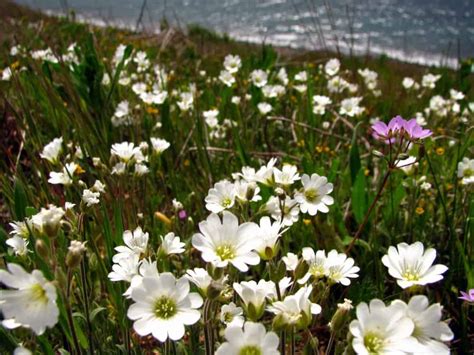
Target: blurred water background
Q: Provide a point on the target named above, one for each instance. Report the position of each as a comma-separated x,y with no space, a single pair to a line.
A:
435,32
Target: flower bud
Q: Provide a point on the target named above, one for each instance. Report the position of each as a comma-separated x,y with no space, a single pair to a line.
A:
42,249
74,255
341,316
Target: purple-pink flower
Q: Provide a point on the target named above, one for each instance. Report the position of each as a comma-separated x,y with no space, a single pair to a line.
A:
467,296
398,127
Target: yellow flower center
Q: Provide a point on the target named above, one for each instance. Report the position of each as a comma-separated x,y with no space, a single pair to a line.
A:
311,195
373,343
225,252
250,350
226,202
411,275
165,307
38,293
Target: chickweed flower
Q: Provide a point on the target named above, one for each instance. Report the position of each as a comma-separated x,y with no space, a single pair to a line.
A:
163,306
466,171
171,244
252,340
52,150
224,242
429,330
381,329
412,265
231,315
315,194
31,303
221,197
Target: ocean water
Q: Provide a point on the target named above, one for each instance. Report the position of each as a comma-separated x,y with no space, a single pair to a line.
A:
435,32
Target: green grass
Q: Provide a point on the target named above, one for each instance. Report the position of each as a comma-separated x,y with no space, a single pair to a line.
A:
49,100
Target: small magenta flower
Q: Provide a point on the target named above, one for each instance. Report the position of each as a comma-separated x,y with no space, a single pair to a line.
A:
182,214
468,296
386,132
415,131
398,127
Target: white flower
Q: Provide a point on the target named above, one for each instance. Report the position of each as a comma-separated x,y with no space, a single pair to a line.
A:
456,95
18,244
146,268
122,114
90,197
287,175
227,242
159,145
429,330
286,211
200,277
297,309
350,107
272,91
235,100
77,247
220,197
211,117
429,80
125,268
32,303
318,267
20,350
332,66
301,76
283,76
408,83
255,294
6,74
268,235
48,219
232,63
127,152
172,244
64,177
466,171
264,107
411,265
163,306
231,315
300,88
320,102
247,191
21,229
226,78
264,175
315,195
141,169
379,329
291,261
98,186
156,97
252,340
52,150
340,268
136,243
337,85
119,168
186,101
259,78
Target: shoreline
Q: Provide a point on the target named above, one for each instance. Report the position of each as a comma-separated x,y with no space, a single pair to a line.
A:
416,58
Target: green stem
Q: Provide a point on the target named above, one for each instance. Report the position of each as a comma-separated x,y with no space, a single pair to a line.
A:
369,211
282,342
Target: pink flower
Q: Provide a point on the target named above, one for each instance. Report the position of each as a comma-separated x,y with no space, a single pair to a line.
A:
468,296
397,127
414,130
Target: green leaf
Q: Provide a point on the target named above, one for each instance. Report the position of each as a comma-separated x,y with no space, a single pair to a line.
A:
20,200
354,156
359,197
95,312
